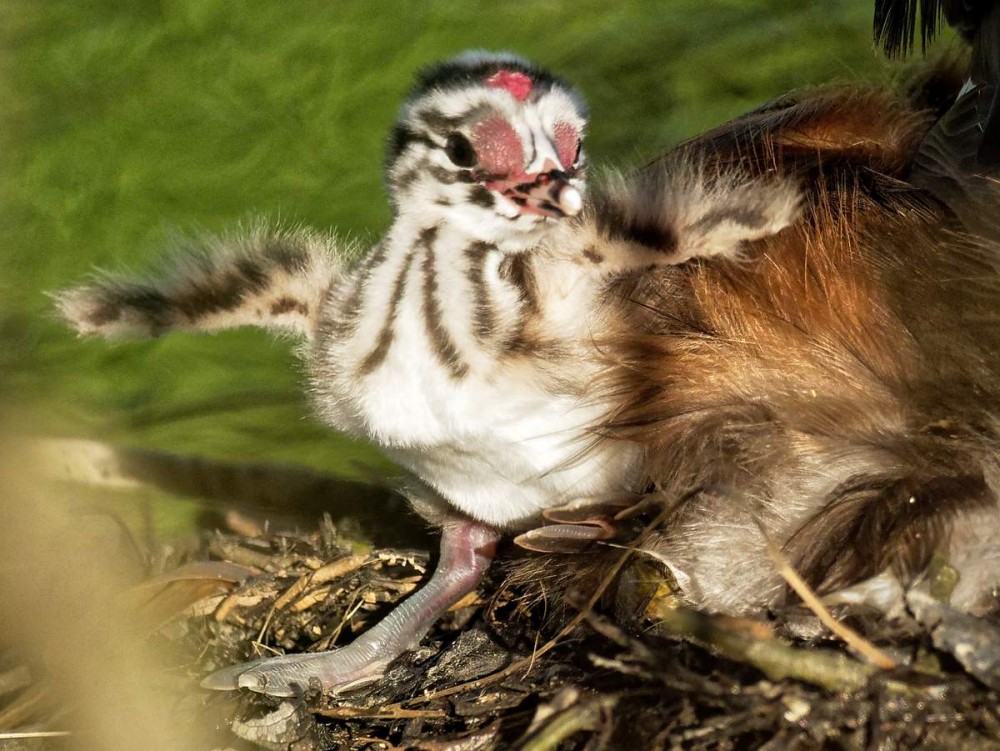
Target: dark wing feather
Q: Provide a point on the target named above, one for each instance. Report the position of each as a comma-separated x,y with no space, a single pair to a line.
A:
896,24
948,161
966,141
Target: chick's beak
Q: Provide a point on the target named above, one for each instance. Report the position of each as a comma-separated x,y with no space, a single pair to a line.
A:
547,193
550,194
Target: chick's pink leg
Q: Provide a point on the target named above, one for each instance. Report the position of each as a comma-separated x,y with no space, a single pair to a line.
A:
466,551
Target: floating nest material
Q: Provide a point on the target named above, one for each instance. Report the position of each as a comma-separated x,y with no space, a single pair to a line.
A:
515,667
588,651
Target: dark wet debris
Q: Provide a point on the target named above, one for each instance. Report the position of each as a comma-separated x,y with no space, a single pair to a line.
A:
474,683
488,676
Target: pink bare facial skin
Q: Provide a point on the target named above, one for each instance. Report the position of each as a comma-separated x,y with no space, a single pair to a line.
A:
499,148
501,155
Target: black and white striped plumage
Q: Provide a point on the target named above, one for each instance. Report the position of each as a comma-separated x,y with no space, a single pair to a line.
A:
467,343
445,345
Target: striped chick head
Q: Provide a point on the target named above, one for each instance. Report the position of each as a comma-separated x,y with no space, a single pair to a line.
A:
492,144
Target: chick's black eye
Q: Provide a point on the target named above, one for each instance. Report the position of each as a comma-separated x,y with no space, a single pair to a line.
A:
460,151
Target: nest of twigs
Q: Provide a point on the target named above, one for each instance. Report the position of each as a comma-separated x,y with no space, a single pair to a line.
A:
513,667
587,651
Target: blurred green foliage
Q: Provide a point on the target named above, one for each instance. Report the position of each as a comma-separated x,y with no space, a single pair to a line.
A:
123,122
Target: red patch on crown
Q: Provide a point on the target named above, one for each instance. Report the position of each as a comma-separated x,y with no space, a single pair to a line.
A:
518,84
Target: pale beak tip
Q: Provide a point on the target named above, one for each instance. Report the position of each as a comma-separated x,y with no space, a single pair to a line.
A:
570,201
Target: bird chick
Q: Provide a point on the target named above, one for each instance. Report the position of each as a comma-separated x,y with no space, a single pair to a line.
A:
467,344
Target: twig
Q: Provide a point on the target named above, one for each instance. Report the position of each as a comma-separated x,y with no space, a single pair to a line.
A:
736,640
392,712
872,654
356,604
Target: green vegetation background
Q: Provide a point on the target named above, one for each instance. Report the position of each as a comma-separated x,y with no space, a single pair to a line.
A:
124,122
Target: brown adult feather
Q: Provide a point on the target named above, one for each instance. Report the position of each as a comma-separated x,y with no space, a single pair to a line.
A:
841,383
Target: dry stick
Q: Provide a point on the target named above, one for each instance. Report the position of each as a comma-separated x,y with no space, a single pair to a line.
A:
328,572
391,712
776,658
354,607
267,620
872,654
527,662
